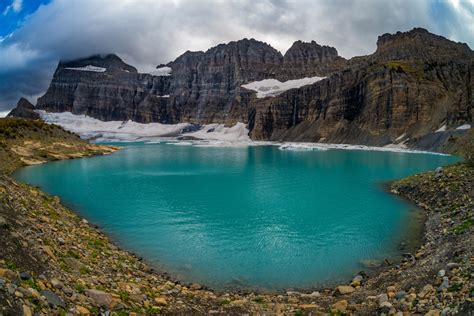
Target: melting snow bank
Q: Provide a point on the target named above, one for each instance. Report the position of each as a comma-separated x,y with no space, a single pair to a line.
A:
273,87
461,127
324,147
126,131
162,71
465,126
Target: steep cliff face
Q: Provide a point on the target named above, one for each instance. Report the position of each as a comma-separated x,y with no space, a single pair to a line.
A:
203,87
205,84
106,88
410,86
413,84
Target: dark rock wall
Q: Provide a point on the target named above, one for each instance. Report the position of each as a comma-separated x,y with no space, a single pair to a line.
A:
414,82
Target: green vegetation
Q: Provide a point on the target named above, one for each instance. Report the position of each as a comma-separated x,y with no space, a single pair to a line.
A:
224,302
73,254
96,243
461,228
124,296
15,128
11,265
32,284
258,299
455,287
80,288
402,66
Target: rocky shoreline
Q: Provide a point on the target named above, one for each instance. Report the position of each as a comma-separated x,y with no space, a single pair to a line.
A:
53,262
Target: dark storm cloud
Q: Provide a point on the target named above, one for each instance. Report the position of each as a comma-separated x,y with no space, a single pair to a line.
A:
146,33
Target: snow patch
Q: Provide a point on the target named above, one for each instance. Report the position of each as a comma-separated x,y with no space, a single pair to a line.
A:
302,147
88,127
441,129
238,132
401,137
273,87
87,68
181,143
465,126
162,71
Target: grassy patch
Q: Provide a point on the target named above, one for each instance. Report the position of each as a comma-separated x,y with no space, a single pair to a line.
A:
11,265
79,288
463,227
32,284
84,270
73,254
258,299
455,287
405,67
124,296
24,140
96,243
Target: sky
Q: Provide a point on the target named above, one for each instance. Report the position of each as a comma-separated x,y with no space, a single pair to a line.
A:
36,34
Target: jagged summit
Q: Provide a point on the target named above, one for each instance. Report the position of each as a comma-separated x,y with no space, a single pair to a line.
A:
310,59
414,84
304,46
420,43
24,109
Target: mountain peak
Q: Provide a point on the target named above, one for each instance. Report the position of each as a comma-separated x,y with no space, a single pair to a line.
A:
111,62
24,109
419,43
310,48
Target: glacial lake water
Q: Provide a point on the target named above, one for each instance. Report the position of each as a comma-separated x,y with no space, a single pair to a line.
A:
252,217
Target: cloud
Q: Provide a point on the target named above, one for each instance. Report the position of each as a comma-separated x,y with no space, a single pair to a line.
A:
147,33
16,7
462,23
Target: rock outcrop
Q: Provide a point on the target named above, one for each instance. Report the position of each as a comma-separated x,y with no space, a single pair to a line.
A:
24,109
413,84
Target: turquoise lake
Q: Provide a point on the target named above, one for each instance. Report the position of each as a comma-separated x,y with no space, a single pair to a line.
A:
252,217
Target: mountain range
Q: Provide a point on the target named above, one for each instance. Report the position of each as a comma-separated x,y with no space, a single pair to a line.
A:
415,90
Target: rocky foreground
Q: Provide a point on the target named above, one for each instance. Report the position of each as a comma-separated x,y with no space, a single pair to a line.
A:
53,262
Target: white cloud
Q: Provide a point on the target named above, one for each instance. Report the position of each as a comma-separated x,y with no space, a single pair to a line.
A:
147,33
16,7
15,57
4,113
463,26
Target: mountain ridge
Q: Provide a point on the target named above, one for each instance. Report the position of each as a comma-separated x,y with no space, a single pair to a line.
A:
412,84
